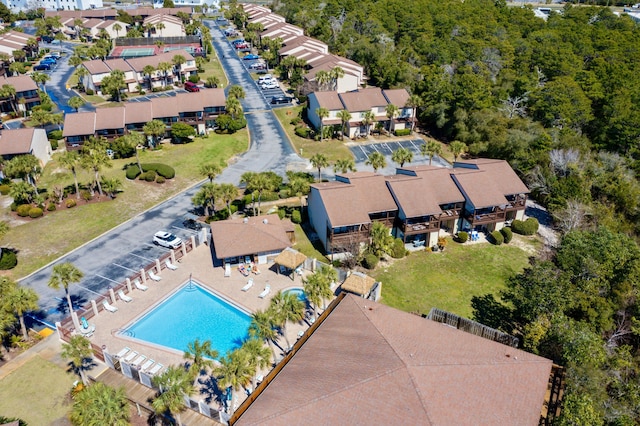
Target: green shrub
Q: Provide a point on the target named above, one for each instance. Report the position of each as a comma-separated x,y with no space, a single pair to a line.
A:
397,250
497,238
507,234
9,260
195,78
282,213
13,206
462,237
402,132
296,216
284,193
51,207
55,135
23,210
149,176
4,189
303,132
86,195
89,92
160,180
527,227
295,121
370,261
70,203
54,144
163,170
132,171
35,212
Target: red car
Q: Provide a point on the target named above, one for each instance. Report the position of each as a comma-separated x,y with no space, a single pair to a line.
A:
242,46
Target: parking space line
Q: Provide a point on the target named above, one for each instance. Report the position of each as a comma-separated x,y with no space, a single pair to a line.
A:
88,289
141,257
124,267
108,279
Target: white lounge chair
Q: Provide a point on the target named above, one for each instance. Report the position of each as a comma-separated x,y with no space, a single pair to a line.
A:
122,352
139,360
109,307
170,265
140,286
131,356
124,296
267,290
154,276
227,269
248,285
147,365
155,369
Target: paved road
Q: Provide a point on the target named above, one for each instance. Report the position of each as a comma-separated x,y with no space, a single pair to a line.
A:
122,251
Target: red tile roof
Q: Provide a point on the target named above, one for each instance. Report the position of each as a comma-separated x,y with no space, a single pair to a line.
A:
368,363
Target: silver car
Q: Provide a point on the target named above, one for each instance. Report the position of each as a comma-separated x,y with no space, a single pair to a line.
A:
167,239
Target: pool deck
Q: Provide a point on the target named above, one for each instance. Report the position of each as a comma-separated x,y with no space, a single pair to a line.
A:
197,264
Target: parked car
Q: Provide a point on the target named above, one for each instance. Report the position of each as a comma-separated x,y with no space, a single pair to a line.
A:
241,46
258,66
264,79
54,41
251,56
230,32
47,39
281,100
51,58
167,239
55,54
49,62
191,87
192,224
238,41
273,84
42,67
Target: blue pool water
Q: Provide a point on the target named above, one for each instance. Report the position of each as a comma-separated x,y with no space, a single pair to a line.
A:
192,313
298,292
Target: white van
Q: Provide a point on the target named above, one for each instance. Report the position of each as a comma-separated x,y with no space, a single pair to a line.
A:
265,79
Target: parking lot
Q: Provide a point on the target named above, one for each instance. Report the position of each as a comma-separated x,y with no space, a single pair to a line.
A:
362,151
167,94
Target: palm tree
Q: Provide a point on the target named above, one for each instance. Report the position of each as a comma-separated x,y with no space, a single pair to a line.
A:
319,161
41,78
392,112
148,70
165,67
335,74
63,275
174,384
317,287
94,157
160,26
286,307
344,117
344,165
210,171
111,186
263,327
100,404
22,192
377,161
201,356
402,155
233,107
322,80
70,160
227,192
430,149
117,28
81,73
9,92
258,182
322,113
236,91
235,371
20,300
457,149
212,81
206,197
75,61
414,102
177,61
259,356
299,186
76,102
381,239
368,117
155,129
78,352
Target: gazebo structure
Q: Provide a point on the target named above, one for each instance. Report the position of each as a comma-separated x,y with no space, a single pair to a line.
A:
290,259
362,285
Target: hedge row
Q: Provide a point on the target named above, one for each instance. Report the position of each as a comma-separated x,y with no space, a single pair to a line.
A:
167,172
402,132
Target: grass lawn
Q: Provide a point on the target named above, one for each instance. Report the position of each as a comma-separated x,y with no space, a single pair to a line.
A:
304,246
37,393
213,67
58,233
332,149
447,280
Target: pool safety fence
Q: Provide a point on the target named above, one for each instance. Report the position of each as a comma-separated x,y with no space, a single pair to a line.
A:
66,328
144,41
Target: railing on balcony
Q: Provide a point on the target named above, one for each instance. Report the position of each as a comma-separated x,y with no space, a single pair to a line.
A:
420,228
482,219
518,204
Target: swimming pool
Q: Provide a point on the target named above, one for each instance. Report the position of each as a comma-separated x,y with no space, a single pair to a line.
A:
192,313
298,292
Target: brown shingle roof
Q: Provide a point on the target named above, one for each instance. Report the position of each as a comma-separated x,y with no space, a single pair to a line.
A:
16,141
96,66
368,363
479,188
110,118
502,174
397,97
240,237
329,100
118,64
138,112
79,124
164,107
22,83
364,99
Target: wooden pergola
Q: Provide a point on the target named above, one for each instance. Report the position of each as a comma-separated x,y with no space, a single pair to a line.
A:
290,259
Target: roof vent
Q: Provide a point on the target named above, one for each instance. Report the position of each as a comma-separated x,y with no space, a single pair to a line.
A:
245,220
265,221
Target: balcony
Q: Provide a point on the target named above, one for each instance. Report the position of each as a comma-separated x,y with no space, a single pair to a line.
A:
420,228
498,215
519,203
